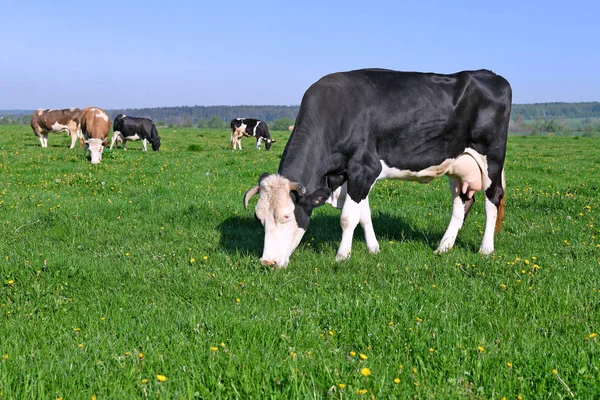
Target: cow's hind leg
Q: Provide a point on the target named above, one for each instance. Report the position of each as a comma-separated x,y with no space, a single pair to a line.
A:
461,204
494,212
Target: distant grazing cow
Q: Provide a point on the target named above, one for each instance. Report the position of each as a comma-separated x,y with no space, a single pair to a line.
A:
44,121
95,126
355,128
134,128
250,127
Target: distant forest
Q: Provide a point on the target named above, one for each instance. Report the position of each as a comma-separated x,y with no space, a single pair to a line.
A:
548,117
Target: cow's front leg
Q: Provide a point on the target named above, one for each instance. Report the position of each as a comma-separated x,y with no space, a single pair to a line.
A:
74,136
145,144
367,225
351,216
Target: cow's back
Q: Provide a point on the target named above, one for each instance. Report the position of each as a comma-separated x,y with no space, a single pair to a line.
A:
95,123
398,115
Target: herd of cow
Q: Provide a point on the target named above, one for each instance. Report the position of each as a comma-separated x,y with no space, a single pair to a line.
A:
353,129
92,126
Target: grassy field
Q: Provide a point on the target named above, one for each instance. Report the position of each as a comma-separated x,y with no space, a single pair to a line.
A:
139,278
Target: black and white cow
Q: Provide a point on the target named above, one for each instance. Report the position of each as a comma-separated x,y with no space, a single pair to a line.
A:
354,128
135,128
250,127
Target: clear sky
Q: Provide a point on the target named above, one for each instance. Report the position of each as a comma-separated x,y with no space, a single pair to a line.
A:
121,54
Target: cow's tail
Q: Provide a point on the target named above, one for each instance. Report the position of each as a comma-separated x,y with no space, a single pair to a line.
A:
501,205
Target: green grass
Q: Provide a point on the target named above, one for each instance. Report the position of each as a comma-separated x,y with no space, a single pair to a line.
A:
152,253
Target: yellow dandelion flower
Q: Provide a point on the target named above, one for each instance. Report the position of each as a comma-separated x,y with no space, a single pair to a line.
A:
509,364
330,333
419,319
192,260
527,262
519,397
237,300
353,354
161,378
5,357
141,355
11,282
144,381
397,381
205,258
80,345
361,391
93,397
593,335
341,385
365,371
554,371
362,356
213,349
391,323
431,349
503,286
222,344
414,370
126,354
127,254
480,349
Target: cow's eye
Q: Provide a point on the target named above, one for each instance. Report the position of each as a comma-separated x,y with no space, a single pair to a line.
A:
286,218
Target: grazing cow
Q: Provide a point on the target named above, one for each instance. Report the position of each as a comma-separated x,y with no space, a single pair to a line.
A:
134,128
354,128
95,125
44,121
250,127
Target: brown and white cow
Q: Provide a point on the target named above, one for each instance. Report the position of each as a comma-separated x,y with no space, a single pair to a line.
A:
95,126
67,120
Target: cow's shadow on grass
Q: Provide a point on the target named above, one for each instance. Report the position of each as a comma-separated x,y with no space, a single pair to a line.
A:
246,235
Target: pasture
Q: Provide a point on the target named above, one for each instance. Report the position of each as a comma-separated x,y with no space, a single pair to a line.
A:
139,278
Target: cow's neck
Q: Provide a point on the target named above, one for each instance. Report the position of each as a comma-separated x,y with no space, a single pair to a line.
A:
303,160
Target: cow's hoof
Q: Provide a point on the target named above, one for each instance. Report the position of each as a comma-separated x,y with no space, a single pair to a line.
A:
373,249
486,251
342,257
441,250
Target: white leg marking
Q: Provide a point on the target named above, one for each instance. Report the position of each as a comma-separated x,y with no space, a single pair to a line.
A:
351,214
491,212
145,144
456,221
41,140
367,225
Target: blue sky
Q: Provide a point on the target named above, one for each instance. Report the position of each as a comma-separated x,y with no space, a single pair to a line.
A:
118,54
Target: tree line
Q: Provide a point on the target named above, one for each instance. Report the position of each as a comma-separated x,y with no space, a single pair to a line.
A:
548,116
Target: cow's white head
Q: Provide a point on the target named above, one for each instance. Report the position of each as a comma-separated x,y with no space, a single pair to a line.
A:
283,208
95,147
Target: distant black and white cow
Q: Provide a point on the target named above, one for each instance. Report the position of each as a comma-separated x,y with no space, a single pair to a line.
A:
68,120
354,128
250,127
134,128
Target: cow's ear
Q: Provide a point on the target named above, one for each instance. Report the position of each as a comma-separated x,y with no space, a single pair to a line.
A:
263,176
316,198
